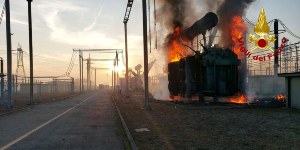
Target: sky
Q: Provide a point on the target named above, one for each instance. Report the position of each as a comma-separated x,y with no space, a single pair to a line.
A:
59,26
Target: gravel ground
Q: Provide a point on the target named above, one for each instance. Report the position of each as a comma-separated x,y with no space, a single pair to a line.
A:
175,126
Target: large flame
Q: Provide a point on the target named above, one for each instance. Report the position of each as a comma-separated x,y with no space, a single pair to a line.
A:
175,53
281,98
240,99
175,49
237,30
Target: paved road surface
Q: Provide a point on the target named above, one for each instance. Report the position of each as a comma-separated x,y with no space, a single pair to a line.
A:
83,122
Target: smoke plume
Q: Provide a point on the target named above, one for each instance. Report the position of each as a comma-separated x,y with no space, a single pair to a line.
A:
226,12
171,13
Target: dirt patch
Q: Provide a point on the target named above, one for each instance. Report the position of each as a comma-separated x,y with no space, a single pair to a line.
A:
175,126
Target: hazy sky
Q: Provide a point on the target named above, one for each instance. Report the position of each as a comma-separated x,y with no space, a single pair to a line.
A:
61,25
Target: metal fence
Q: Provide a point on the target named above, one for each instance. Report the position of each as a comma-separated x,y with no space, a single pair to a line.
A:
262,79
44,88
288,62
289,59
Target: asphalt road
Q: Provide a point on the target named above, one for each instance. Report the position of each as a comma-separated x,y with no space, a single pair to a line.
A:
86,121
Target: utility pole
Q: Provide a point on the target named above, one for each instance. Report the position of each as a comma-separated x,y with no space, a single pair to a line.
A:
276,47
30,51
297,59
88,73
9,57
126,18
126,57
146,104
117,59
95,79
80,85
2,80
114,75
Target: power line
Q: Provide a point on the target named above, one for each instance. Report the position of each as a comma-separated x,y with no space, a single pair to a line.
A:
288,30
248,21
252,24
45,57
71,65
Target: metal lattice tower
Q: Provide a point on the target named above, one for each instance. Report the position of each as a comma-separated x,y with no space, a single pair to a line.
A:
20,64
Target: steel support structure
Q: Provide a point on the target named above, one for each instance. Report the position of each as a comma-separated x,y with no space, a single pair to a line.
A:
88,75
80,71
95,79
112,79
89,68
126,18
96,74
117,60
94,50
126,57
297,59
81,87
114,76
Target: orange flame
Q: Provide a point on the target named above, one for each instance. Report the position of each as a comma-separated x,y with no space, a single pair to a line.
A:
175,98
175,50
237,30
175,53
281,97
240,99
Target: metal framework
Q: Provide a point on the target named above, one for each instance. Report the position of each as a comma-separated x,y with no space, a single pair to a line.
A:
20,71
89,68
128,10
96,68
81,59
126,18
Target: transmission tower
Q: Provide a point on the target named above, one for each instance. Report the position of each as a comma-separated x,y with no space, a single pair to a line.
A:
20,65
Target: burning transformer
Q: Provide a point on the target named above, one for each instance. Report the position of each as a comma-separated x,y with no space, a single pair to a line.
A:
214,72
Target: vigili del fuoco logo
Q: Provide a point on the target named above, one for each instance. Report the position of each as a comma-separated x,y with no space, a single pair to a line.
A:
262,39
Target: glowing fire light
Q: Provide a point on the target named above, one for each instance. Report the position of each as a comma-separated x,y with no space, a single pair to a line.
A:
175,98
240,99
175,50
237,30
280,98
